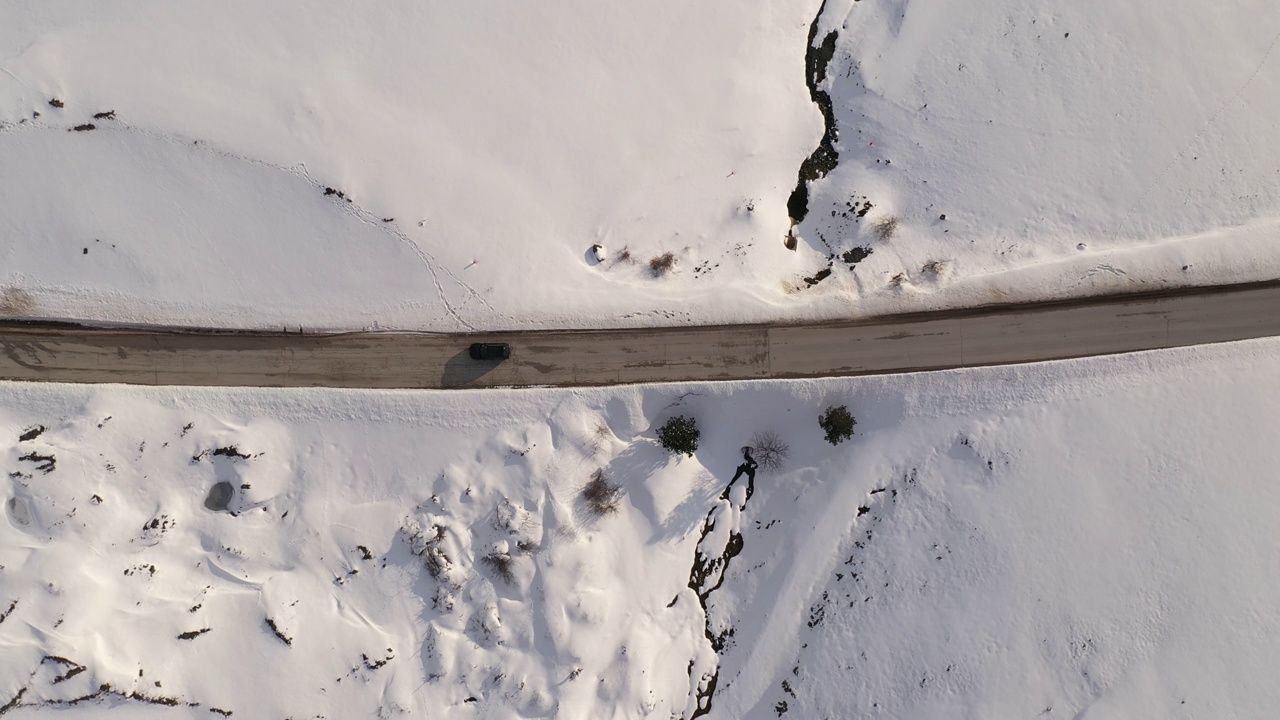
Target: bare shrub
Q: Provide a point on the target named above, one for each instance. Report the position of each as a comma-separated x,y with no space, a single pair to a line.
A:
427,545
599,437
769,450
601,496
602,431
443,599
898,280
510,517
500,564
662,264
624,255
885,228
934,267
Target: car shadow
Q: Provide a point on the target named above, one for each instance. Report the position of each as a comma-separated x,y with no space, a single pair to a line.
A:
461,371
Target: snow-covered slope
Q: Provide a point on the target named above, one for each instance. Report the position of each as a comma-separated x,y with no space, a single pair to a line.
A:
423,166
500,141
1083,539
1099,145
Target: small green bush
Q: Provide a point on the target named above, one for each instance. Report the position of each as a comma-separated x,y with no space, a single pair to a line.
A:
680,435
838,423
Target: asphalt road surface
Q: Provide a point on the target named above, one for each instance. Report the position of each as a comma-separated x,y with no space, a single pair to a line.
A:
927,341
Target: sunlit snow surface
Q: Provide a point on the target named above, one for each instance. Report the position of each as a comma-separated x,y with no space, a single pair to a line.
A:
1090,536
500,141
1081,146
474,153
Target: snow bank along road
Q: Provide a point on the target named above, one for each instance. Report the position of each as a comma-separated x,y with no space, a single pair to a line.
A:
927,341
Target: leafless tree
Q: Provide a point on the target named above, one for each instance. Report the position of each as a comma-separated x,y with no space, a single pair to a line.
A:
769,450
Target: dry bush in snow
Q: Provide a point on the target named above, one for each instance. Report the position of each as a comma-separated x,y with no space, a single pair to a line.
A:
602,430
662,264
500,563
601,496
769,450
885,228
428,546
599,437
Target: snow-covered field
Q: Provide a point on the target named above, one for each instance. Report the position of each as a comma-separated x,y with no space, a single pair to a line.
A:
499,141
1045,148
472,155
1084,539
1081,540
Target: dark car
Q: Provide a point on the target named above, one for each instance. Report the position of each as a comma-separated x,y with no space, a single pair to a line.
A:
490,351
